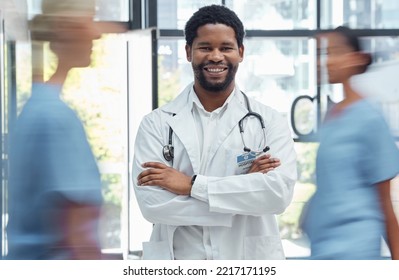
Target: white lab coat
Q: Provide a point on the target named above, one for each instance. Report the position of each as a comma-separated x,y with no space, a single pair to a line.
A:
240,209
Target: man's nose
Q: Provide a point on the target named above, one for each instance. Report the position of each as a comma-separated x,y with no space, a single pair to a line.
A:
216,55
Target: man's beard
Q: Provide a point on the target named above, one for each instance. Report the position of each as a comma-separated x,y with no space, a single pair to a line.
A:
212,86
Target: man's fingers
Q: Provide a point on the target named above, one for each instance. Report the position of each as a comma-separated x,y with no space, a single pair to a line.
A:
267,163
264,164
154,165
148,172
149,179
267,170
262,158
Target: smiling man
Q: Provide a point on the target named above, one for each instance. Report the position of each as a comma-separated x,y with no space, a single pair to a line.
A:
203,172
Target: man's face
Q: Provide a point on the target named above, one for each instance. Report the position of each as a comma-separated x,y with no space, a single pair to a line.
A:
215,57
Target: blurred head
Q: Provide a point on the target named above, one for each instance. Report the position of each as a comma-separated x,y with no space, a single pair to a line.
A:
345,57
69,27
214,46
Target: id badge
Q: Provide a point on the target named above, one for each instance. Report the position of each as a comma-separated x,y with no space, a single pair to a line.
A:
244,162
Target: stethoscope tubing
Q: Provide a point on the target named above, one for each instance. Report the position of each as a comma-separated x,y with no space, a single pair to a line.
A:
168,150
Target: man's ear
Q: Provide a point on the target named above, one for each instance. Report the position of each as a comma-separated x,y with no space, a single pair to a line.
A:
188,53
241,52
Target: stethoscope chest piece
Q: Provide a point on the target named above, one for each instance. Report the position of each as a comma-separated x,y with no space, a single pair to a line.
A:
168,152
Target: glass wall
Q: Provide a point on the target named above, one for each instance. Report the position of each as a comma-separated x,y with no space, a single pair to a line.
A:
174,14
280,70
106,10
257,14
3,217
275,15
98,94
360,14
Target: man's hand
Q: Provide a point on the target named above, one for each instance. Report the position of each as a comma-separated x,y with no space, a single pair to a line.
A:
264,164
159,174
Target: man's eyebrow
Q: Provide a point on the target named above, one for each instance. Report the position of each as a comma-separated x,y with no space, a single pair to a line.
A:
204,43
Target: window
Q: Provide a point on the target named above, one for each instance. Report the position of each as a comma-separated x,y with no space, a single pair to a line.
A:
115,10
272,15
98,94
360,14
280,70
3,131
173,14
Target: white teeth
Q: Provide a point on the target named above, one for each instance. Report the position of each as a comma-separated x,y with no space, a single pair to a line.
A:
215,70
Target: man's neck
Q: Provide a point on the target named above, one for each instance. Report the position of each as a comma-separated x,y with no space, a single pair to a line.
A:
212,100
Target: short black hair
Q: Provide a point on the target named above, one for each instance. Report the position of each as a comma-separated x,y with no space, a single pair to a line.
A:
213,14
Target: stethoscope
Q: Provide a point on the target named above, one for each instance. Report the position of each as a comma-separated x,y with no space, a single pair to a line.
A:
168,150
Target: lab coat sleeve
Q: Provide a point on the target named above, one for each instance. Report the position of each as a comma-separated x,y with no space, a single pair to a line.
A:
157,204
255,193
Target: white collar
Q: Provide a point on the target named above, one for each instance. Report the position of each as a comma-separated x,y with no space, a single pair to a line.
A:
194,100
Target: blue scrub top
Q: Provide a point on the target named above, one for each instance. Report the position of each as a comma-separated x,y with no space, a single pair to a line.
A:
51,163
344,218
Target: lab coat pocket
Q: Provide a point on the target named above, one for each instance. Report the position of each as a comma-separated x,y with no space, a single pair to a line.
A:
263,248
156,250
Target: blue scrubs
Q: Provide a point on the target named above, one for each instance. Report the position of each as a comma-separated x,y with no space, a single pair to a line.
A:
51,164
344,219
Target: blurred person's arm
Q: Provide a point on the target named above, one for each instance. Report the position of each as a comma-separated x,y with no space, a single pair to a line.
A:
391,222
81,226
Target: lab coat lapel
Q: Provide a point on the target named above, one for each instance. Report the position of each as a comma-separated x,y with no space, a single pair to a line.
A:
236,109
184,128
183,125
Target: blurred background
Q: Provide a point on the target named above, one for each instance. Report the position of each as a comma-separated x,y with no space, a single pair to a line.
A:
136,71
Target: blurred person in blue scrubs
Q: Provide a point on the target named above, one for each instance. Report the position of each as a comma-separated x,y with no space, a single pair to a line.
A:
55,189
357,157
